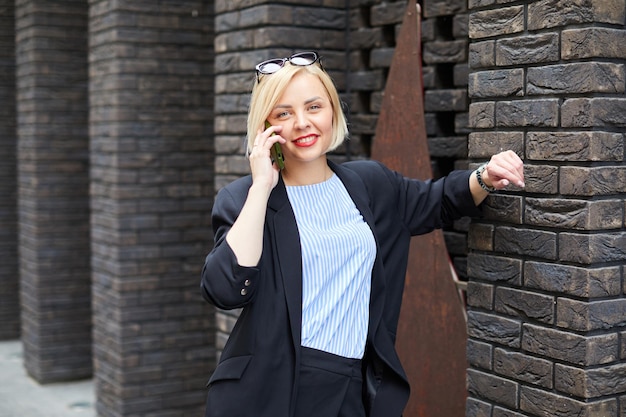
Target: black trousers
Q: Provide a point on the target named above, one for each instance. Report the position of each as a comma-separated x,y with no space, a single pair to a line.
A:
330,386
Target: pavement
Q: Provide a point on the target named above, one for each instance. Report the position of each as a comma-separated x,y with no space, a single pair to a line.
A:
21,396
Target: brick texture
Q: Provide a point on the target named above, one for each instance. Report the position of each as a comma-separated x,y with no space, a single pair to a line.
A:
151,165
9,278
162,129
53,188
546,299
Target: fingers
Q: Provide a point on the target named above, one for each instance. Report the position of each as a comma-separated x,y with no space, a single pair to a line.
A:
262,166
506,168
266,138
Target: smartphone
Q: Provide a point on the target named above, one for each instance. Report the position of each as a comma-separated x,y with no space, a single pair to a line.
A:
276,152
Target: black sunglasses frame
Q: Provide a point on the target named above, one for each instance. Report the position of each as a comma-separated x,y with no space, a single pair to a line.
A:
280,63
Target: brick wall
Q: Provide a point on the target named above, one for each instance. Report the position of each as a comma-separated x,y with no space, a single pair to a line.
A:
546,78
546,292
445,52
9,278
151,108
53,188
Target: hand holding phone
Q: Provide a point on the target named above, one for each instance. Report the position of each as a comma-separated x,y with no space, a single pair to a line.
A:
276,151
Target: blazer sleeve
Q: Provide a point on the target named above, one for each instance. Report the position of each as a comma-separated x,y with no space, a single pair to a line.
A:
422,206
225,283
433,204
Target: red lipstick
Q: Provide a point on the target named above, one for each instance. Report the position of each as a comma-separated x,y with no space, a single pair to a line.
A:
306,141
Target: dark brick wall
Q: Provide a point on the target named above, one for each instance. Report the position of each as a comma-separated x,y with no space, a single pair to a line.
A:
53,188
160,133
445,55
9,277
546,292
151,154
374,26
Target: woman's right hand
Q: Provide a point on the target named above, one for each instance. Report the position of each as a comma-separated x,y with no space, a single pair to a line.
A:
245,237
264,171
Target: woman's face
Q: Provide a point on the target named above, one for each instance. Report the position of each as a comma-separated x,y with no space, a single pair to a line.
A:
306,115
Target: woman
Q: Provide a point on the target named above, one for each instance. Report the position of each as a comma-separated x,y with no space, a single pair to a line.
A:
315,255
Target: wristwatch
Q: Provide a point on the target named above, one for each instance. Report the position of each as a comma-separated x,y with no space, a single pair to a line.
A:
479,177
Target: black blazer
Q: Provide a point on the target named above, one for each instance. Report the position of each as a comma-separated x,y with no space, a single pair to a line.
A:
257,374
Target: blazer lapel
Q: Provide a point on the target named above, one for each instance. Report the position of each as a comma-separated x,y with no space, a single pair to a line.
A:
358,192
356,188
288,256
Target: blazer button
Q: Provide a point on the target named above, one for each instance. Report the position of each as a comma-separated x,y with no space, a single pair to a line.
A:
247,283
244,291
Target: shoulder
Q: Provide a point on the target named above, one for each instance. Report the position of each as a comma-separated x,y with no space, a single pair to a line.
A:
364,165
238,186
371,178
370,171
375,175
234,192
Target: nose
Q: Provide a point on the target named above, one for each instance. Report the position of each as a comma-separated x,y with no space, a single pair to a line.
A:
301,121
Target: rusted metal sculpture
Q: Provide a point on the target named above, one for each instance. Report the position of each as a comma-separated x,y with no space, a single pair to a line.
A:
432,334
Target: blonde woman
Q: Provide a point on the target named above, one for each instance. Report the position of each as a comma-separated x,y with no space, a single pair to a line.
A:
315,255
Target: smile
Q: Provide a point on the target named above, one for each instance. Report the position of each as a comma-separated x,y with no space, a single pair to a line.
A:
306,141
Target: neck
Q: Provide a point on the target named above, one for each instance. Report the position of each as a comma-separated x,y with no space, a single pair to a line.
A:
307,174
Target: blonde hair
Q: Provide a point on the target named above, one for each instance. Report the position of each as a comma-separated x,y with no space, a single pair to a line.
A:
269,89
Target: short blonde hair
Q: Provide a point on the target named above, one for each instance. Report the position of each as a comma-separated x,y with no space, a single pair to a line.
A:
268,90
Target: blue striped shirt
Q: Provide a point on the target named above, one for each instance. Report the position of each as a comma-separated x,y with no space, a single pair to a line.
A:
338,251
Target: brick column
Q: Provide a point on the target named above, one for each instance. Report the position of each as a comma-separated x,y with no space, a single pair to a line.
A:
547,295
9,277
151,101
444,55
373,29
246,36
52,155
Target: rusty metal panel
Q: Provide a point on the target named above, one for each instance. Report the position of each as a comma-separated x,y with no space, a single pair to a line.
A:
432,333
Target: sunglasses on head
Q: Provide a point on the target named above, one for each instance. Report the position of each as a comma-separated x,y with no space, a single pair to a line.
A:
301,59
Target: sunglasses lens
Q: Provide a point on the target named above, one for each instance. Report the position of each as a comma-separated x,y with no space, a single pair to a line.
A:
271,66
303,59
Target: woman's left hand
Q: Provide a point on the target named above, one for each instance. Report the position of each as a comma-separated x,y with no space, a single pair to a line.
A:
503,169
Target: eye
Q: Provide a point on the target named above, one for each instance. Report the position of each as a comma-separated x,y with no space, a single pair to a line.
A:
282,115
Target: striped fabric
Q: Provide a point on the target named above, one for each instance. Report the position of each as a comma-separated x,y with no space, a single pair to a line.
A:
338,251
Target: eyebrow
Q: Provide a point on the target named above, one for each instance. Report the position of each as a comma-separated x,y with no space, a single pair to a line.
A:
288,106
312,99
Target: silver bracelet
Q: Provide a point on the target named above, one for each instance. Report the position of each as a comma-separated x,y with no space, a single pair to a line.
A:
479,177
